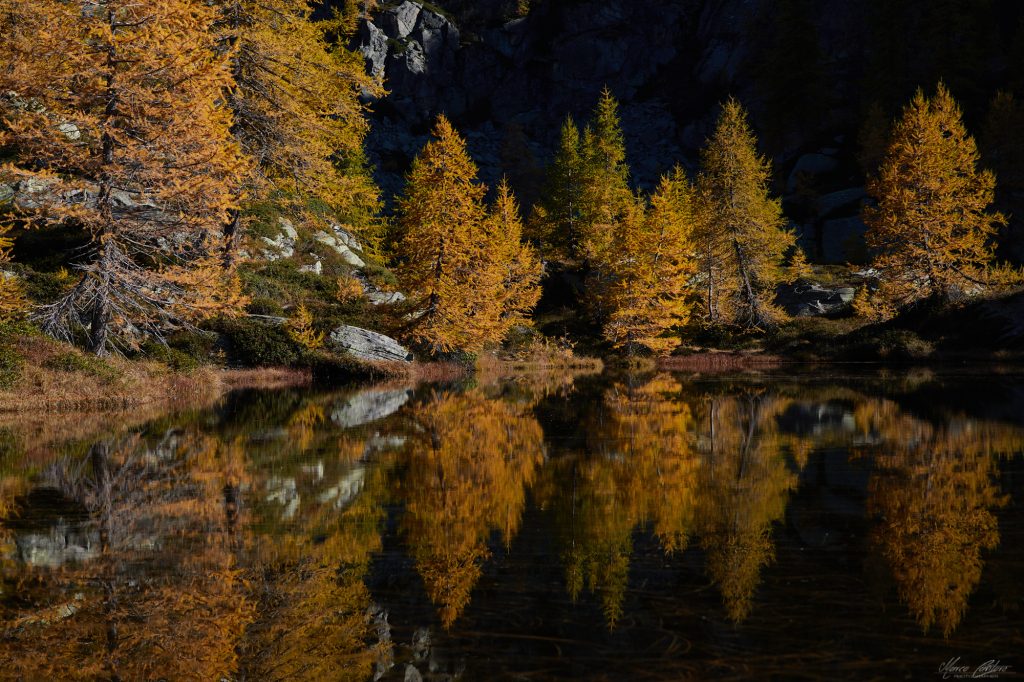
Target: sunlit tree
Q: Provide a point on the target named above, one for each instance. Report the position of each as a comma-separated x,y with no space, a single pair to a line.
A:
297,112
931,230
742,239
651,292
469,274
117,109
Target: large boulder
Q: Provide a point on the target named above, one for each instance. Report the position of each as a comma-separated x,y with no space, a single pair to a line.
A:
813,300
369,346
842,199
810,165
842,240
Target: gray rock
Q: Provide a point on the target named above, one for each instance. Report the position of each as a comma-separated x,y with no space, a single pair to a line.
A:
369,346
317,268
59,545
412,674
810,165
398,22
70,131
346,490
288,228
372,43
368,406
813,300
279,247
333,242
285,493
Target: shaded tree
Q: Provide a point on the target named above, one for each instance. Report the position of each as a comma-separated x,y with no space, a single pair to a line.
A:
554,220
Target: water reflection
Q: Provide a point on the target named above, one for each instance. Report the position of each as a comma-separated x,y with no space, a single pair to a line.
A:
469,461
250,541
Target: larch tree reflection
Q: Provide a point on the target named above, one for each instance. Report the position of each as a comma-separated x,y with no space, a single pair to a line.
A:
642,471
165,598
312,621
744,488
933,495
470,462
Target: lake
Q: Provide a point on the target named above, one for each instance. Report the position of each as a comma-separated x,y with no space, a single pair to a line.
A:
846,523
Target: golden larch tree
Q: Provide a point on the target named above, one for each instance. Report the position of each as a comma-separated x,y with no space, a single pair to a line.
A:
743,240
930,230
511,269
116,112
470,463
466,269
650,294
298,114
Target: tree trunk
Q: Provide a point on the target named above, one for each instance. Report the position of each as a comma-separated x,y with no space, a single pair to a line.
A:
755,316
99,322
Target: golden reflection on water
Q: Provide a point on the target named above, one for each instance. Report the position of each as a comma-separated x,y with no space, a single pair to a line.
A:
238,544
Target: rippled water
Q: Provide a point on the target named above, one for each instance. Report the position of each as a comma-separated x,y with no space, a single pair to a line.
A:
660,527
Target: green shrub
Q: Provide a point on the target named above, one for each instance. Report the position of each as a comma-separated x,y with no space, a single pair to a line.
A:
262,219
281,281
46,287
183,352
265,306
381,276
258,344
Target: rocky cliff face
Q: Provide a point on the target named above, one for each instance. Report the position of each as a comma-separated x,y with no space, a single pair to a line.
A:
805,70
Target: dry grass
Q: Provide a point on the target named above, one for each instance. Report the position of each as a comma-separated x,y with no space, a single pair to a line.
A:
540,354
438,372
264,377
59,378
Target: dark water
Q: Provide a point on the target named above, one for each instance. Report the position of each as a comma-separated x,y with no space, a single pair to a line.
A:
842,525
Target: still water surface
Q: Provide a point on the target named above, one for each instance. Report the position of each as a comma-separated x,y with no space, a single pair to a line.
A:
661,527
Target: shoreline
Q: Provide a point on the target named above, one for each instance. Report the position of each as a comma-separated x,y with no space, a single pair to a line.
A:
58,379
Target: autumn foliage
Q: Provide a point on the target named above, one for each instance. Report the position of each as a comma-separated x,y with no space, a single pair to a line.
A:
931,230
118,113
472,276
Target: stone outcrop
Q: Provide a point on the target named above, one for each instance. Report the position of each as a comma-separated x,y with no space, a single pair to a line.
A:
368,346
